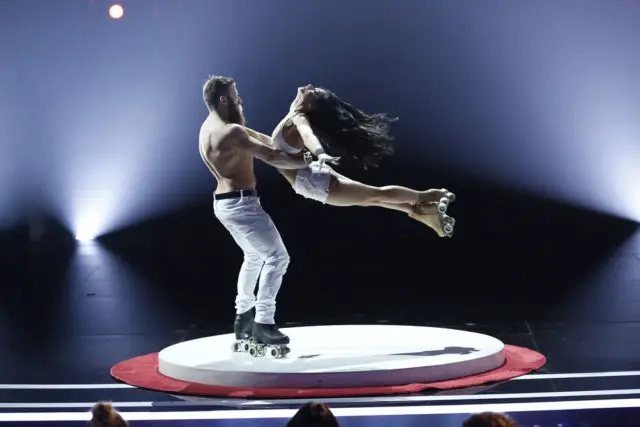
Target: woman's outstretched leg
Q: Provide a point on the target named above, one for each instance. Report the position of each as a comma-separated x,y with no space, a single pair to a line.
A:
344,191
426,213
400,207
421,205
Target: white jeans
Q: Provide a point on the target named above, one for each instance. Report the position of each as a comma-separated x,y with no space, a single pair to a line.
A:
265,256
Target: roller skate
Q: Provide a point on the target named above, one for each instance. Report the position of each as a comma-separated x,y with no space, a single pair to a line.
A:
242,328
430,215
445,201
448,223
442,196
268,340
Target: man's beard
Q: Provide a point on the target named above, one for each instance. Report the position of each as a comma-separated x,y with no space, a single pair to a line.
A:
235,115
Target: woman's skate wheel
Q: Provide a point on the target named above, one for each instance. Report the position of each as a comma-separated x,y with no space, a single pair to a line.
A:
246,346
252,351
235,347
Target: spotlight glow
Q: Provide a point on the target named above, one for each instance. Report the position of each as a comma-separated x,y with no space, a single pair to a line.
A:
569,134
116,11
85,237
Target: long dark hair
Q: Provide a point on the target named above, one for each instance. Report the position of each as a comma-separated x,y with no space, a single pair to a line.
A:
347,132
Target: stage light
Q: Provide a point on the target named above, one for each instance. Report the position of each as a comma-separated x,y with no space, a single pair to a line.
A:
111,180
116,11
85,237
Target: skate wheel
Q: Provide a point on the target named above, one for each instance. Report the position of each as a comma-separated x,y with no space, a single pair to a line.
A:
235,347
442,207
252,351
284,351
246,347
274,352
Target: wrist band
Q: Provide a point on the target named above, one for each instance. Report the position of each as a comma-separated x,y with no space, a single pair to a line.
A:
308,158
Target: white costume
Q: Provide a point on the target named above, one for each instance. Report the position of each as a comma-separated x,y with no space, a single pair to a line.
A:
311,182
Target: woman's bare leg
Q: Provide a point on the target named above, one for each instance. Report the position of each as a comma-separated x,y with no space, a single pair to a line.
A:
347,192
344,191
427,214
401,207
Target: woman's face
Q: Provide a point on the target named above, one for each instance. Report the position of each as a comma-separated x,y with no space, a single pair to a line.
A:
306,99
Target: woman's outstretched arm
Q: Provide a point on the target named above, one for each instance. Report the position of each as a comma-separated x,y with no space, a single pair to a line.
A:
311,141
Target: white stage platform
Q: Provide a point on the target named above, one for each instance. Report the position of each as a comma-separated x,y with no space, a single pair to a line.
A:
338,357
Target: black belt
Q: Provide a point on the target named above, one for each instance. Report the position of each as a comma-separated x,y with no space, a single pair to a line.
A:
236,194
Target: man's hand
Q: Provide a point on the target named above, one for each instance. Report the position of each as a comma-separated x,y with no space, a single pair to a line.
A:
316,167
325,158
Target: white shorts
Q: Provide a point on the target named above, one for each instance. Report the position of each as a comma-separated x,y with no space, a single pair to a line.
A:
313,182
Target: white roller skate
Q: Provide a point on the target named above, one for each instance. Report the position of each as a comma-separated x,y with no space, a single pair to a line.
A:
448,223
429,214
445,201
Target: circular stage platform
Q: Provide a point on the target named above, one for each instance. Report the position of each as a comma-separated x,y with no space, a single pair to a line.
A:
338,357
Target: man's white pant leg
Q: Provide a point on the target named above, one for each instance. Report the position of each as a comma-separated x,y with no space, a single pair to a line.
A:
247,281
273,270
265,255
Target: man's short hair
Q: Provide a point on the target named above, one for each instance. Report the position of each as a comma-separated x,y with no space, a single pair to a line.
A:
214,88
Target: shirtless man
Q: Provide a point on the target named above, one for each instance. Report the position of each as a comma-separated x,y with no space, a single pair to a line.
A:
228,151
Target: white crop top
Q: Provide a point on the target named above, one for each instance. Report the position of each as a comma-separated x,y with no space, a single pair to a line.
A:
278,139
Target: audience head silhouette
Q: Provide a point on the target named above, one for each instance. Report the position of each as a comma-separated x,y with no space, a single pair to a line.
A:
313,414
489,419
104,415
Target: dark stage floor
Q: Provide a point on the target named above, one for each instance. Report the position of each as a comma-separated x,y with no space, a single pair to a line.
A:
66,376
70,314
61,351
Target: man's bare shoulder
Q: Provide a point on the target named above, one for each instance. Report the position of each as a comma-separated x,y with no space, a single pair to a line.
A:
221,135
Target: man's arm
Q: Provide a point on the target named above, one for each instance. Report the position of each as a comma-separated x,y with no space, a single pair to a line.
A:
265,139
311,141
267,154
